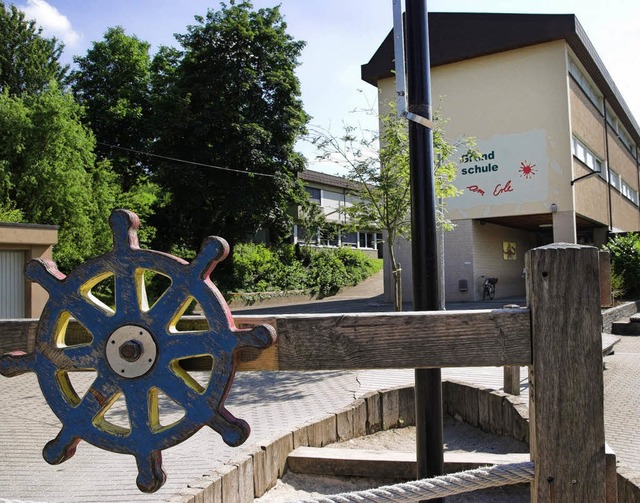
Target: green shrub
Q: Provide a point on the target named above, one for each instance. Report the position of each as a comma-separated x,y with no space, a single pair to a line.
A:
254,265
617,286
625,262
257,268
359,266
327,273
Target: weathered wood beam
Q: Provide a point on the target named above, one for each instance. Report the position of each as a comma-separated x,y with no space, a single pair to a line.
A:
398,340
385,464
375,341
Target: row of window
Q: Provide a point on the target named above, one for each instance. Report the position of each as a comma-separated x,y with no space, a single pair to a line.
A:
594,96
586,85
587,157
617,128
629,193
362,239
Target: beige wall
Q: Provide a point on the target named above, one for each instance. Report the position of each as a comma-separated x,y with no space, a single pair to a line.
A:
517,102
591,194
474,250
36,241
459,262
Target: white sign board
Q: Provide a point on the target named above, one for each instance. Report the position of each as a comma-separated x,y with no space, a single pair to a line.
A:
511,170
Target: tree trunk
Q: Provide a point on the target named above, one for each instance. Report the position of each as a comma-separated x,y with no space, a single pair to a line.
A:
396,272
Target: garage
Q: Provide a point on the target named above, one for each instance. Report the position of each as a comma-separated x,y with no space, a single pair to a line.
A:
12,284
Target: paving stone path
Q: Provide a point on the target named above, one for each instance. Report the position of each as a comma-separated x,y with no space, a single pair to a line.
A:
272,402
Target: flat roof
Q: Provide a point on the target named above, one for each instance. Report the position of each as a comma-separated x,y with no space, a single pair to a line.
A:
455,37
30,226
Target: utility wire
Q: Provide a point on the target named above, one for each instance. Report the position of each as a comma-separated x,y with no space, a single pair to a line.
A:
193,163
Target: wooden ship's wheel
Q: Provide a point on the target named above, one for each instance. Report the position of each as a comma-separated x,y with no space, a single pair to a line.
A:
135,351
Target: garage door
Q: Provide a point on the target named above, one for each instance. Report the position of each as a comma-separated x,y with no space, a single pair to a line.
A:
12,284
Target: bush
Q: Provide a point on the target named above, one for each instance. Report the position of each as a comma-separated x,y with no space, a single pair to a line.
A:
254,265
327,273
617,286
257,268
359,266
625,262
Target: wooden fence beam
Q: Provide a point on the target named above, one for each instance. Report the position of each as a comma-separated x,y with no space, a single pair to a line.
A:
566,383
374,341
397,340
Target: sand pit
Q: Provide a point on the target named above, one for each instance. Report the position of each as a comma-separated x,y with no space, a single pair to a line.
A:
459,437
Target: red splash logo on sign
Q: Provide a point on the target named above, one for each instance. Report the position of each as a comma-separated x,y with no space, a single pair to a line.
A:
527,169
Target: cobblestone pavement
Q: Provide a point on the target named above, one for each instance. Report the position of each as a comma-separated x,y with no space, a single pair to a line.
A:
622,401
272,402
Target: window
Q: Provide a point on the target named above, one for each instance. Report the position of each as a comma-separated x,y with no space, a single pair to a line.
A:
590,90
629,193
620,132
585,155
305,236
614,179
314,194
350,239
368,239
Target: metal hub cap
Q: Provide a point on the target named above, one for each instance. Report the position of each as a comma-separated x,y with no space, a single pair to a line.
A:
131,351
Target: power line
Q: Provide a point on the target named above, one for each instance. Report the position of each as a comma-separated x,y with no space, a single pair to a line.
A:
193,163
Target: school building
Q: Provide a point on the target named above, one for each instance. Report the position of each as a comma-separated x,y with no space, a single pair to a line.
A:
558,144
333,195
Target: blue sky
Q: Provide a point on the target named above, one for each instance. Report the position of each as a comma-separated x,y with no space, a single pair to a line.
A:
340,36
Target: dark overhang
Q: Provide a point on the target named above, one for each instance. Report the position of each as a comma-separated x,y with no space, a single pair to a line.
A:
325,179
455,37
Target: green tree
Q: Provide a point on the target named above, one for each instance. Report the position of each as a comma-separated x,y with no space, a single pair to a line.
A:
28,61
48,172
113,83
9,213
230,100
379,164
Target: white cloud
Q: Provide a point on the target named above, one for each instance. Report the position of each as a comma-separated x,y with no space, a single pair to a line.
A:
53,23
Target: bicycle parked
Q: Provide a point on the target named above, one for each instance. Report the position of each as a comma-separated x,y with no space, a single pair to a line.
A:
489,288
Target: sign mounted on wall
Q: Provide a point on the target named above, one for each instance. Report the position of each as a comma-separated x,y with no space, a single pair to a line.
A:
509,170
508,250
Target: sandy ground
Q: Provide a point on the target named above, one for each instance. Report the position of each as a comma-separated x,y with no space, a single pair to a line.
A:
459,437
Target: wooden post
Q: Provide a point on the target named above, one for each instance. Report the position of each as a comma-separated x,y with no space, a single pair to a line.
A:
566,383
511,379
606,294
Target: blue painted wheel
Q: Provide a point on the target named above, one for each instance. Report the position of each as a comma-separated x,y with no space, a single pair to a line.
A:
135,351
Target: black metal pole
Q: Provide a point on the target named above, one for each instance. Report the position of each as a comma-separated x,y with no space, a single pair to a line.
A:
424,244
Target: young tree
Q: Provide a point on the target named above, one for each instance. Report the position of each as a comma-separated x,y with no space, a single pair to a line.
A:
28,61
232,107
379,163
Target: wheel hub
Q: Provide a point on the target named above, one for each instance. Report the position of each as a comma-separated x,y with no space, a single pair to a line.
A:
131,351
